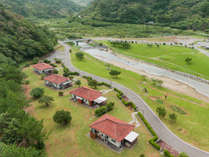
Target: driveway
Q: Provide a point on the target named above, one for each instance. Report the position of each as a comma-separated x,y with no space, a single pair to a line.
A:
160,128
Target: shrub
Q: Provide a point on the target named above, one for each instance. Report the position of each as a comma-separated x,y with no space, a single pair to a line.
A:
37,93
60,93
182,154
142,155
35,60
58,61
78,82
26,82
53,65
100,111
47,61
167,153
46,100
109,106
79,55
173,117
62,117
114,73
147,124
154,144
161,111
55,71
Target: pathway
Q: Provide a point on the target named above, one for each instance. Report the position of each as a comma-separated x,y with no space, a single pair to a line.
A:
160,128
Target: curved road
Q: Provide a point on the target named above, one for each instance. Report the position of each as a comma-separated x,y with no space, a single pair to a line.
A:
160,128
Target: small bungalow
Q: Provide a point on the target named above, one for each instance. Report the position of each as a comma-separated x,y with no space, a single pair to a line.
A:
113,132
41,68
57,81
88,96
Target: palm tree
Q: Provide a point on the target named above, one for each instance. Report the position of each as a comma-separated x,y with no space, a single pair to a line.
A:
46,100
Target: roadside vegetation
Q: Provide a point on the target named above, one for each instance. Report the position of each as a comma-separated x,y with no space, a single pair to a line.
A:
187,117
174,57
67,122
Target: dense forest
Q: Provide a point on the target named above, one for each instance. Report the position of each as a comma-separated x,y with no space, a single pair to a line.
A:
183,14
42,8
21,40
21,135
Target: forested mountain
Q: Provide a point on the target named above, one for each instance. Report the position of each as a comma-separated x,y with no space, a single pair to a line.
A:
42,8
21,40
183,14
21,134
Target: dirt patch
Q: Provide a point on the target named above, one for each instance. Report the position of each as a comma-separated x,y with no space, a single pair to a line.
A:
27,91
30,110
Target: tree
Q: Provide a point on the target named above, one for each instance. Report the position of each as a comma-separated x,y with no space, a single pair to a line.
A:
15,151
78,82
173,117
157,83
188,60
62,117
46,100
114,73
161,111
182,154
79,55
92,83
37,93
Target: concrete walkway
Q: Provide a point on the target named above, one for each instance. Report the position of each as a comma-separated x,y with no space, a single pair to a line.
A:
160,128
134,121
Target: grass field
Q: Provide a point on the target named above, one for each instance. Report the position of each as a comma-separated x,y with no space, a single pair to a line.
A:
166,56
73,140
193,115
65,27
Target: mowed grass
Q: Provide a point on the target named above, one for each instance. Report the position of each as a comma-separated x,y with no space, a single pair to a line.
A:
73,140
171,57
191,126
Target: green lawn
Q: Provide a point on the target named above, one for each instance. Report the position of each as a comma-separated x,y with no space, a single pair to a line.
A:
73,140
166,56
191,126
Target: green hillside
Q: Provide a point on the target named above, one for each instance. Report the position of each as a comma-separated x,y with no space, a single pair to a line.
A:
183,14
42,8
21,40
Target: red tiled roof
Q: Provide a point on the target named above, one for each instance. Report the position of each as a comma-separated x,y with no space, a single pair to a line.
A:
86,93
42,66
57,79
112,127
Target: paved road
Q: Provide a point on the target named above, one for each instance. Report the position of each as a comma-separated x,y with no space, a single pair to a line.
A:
162,131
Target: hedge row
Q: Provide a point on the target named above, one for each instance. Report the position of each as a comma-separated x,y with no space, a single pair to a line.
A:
153,142
104,109
147,124
167,153
104,84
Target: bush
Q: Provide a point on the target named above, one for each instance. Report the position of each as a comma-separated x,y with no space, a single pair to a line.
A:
154,144
53,65
182,154
109,106
26,82
62,117
55,71
37,93
167,153
147,124
35,60
58,61
173,117
79,55
60,93
47,61
161,111
104,84
100,111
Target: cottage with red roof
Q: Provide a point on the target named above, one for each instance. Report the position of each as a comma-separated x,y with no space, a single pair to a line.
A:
88,96
113,132
43,68
57,81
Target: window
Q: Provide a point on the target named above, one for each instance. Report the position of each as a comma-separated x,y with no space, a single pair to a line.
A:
113,140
